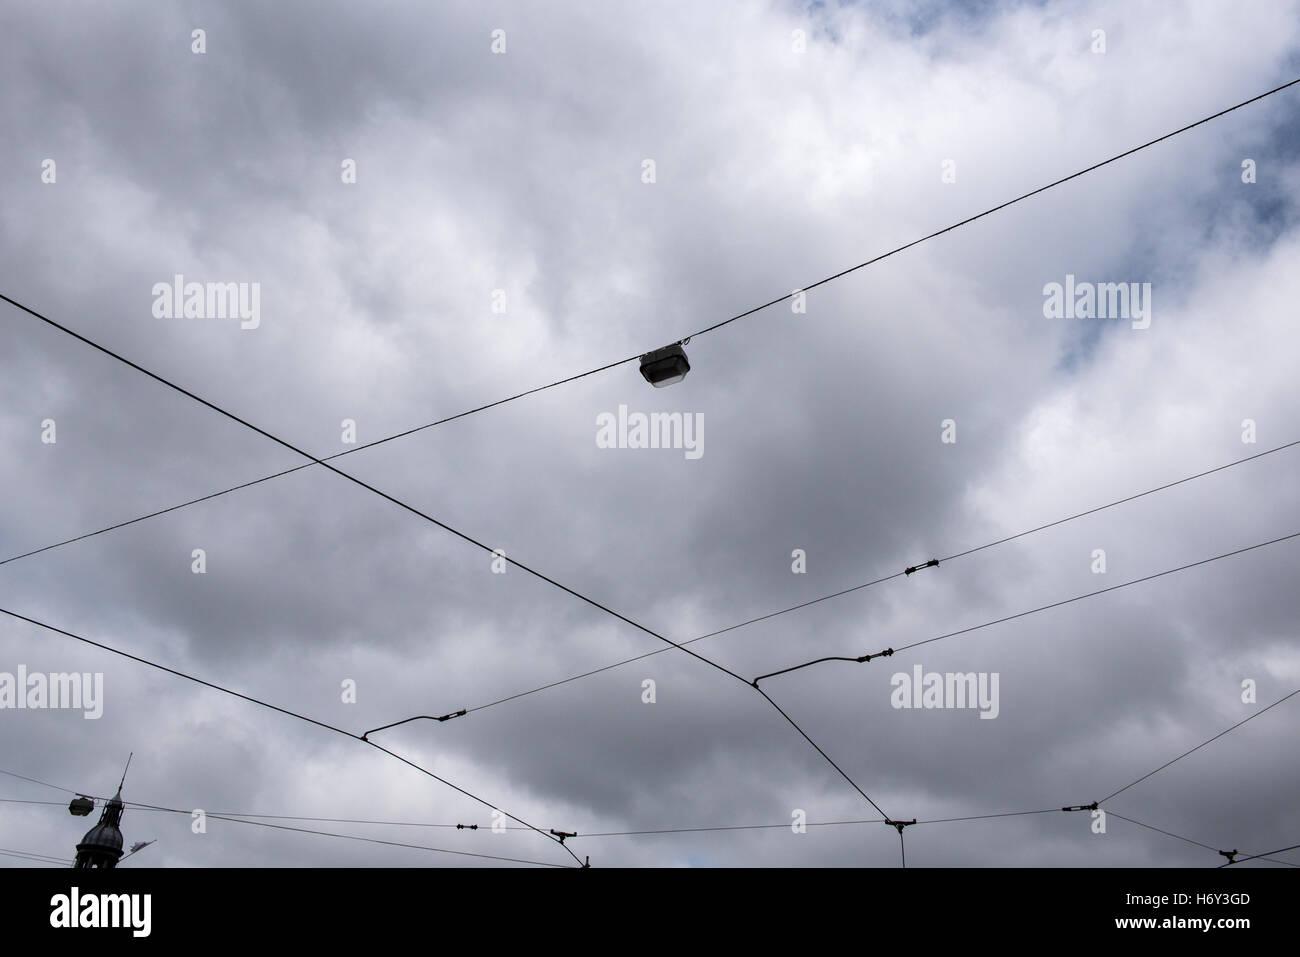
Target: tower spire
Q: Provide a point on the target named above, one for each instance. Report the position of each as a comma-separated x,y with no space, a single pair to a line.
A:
102,845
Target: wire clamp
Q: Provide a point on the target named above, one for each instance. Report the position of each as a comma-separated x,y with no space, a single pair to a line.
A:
563,834
454,714
900,824
1231,855
1081,807
932,563
467,827
879,654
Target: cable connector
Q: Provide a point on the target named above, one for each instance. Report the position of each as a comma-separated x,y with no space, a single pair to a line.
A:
1081,807
901,824
419,717
467,827
879,654
1231,855
932,563
588,862
563,834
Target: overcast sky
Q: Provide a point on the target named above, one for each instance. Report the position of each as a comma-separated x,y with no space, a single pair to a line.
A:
518,179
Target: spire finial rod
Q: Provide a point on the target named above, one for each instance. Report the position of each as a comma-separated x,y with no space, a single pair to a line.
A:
124,770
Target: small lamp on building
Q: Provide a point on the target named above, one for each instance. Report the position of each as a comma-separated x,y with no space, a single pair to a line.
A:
665,366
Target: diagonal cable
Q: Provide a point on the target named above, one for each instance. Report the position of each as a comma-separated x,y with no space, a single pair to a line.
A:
1199,746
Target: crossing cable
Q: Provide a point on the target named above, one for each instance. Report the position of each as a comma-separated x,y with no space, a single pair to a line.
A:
1199,746
742,315
286,711
877,581
1149,827
267,478
828,758
429,518
356,481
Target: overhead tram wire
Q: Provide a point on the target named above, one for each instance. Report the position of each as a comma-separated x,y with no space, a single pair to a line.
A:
657,651
240,816
273,707
424,515
1102,591
707,329
1031,611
